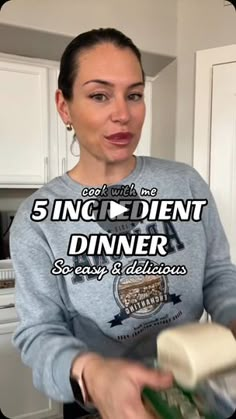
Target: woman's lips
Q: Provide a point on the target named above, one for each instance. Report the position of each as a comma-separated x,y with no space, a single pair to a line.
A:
120,137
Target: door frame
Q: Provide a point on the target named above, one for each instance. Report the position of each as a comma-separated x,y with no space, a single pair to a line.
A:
205,61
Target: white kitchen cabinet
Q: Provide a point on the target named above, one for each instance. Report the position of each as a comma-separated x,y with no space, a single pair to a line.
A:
34,143
23,124
18,397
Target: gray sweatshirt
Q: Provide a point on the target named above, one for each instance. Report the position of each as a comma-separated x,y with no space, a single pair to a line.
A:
115,313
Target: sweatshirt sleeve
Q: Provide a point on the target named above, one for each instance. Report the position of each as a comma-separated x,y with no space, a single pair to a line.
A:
219,287
43,336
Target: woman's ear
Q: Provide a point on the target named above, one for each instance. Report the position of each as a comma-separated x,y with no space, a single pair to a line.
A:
62,107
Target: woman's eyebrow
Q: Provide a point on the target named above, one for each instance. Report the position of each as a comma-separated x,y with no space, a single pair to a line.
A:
107,83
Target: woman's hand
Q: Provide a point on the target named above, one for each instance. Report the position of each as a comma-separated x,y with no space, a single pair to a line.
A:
115,387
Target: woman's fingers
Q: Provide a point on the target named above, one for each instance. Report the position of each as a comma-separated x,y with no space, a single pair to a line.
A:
115,387
154,378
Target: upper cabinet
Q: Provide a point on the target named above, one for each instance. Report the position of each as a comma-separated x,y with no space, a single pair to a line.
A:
35,145
24,124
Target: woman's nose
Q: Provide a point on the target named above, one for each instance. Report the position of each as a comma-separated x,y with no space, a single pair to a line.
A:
120,111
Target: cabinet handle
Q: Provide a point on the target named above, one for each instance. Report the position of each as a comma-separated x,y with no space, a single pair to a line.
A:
46,177
63,165
2,307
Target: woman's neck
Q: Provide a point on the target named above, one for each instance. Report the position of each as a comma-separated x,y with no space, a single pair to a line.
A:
99,173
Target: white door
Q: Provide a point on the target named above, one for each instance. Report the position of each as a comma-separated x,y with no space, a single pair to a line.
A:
23,124
215,130
223,147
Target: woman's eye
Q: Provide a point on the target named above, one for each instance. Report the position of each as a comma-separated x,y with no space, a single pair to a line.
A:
99,97
135,96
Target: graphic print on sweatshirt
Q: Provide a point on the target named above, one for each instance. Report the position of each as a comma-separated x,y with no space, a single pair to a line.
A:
140,296
137,295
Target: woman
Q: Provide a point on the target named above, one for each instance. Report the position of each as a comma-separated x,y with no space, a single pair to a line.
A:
97,331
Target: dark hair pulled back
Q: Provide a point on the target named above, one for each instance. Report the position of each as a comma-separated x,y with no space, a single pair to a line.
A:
87,40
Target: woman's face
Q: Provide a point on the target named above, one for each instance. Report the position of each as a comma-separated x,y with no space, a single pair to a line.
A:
107,110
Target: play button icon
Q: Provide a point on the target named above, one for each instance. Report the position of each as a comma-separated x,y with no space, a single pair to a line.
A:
116,209
115,222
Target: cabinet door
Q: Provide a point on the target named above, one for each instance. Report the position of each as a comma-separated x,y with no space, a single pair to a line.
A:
23,125
18,397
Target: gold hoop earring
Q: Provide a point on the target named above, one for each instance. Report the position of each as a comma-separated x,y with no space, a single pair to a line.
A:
69,126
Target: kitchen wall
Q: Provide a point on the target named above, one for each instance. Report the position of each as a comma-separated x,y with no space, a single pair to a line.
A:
164,113
202,24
